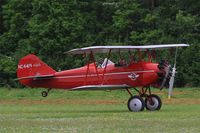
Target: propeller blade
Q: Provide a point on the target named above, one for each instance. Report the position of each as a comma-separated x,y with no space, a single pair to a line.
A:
167,70
171,82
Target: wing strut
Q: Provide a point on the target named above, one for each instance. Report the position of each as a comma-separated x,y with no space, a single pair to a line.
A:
91,59
139,55
171,81
149,55
106,66
88,66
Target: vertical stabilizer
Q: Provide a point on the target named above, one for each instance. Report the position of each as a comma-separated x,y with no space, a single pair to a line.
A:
31,66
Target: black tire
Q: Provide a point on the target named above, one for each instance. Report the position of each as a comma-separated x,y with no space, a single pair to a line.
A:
136,104
156,105
44,94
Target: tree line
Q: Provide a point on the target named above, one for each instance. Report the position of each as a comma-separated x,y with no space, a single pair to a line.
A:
48,28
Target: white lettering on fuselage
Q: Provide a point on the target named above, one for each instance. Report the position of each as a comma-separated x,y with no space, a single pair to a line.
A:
37,65
27,66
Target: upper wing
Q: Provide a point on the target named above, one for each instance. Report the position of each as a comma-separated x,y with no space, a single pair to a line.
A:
106,49
37,77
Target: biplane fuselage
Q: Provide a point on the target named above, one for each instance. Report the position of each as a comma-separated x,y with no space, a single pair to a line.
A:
91,77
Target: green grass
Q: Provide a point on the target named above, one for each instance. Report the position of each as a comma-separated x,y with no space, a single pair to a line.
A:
25,111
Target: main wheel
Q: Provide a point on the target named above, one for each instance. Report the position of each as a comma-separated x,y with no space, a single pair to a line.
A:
136,104
44,94
153,102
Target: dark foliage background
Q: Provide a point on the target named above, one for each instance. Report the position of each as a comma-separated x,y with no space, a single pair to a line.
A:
48,28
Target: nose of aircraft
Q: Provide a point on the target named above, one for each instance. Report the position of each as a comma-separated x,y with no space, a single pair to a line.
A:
164,73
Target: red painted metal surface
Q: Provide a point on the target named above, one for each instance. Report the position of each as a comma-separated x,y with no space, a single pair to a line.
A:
34,73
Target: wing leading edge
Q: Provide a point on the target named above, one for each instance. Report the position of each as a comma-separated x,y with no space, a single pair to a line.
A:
106,49
37,77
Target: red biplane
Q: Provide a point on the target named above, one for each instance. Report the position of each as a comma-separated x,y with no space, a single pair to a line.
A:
106,74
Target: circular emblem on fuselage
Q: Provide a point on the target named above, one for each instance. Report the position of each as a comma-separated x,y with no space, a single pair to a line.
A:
133,76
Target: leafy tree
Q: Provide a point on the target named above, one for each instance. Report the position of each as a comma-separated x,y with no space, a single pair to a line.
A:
49,28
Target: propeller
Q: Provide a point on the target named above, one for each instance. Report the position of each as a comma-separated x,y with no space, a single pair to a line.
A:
171,81
168,76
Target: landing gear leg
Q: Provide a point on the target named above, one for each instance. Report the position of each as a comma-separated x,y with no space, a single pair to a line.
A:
45,93
129,92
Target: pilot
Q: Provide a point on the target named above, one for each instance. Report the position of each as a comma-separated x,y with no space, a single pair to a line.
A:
132,59
122,62
100,62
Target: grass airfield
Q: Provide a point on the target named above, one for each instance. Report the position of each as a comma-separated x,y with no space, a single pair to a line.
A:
25,111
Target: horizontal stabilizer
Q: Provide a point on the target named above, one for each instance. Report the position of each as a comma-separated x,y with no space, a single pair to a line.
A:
37,77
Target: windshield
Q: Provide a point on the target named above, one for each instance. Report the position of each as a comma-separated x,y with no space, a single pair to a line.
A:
104,63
